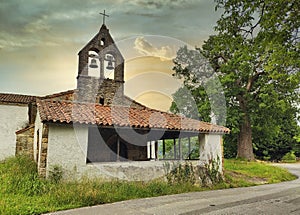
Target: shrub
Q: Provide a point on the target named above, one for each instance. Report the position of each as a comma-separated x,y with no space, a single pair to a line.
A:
210,173
289,157
56,173
180,173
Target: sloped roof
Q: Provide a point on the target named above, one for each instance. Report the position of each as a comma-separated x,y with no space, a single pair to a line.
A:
96,114
16,98
59,94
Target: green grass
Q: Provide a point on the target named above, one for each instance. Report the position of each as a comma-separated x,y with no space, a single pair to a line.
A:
258,170
23,192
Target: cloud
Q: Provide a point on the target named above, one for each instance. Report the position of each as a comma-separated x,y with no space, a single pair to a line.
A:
37,26
158,4
146,48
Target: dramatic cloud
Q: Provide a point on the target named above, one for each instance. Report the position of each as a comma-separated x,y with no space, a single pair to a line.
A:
157,4
39,39
147,49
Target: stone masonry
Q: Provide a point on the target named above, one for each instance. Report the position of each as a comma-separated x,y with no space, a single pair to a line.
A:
44,148
24,141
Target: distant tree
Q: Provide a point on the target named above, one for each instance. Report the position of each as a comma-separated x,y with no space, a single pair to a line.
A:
256,57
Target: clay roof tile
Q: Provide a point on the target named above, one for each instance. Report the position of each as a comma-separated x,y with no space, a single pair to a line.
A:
88,113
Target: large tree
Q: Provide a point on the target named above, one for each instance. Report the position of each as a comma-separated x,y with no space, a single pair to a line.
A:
256,56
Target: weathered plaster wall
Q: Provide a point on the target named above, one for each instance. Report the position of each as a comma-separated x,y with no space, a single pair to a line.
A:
211,149
12,118
67,147
38,127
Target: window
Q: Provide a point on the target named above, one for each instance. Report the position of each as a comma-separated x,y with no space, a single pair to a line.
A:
102,41
101,101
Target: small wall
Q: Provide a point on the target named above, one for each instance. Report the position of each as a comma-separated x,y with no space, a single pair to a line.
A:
13,118
24,142
130,171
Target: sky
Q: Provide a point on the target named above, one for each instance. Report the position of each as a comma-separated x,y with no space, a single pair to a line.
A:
40,40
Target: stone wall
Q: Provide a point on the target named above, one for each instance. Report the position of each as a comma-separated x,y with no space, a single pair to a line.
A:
25,141
42,167
91,89
107,47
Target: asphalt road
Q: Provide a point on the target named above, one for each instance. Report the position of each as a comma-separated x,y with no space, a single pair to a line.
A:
282,198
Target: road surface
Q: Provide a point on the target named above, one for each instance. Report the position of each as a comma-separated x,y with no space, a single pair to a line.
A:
282,198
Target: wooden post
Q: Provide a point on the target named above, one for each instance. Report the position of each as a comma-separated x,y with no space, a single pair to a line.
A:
156,150
118,148
150,151
164,149
174,143
189,148
179,148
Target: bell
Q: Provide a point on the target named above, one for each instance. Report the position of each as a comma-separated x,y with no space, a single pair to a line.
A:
93,64
110,65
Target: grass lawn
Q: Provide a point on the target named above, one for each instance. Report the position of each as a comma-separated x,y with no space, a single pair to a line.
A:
23,192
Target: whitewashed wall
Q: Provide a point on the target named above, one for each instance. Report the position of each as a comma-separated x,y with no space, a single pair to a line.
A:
211,149
38,126
67,147
12,118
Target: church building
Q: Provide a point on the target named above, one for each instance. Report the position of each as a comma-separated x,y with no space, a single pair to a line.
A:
97,131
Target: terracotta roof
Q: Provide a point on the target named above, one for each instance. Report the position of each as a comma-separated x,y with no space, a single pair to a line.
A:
16,98
24,129
55,95
89,113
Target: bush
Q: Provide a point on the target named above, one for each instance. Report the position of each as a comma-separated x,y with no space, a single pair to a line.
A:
180,173
289,157
210,174
56,173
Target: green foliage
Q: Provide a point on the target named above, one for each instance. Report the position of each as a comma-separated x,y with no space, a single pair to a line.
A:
289,157
185,147
180,173
269,173
56,174
255,56
23,192
210,173
18,175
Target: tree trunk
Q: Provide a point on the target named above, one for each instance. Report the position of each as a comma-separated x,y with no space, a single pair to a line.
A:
245,148
244,144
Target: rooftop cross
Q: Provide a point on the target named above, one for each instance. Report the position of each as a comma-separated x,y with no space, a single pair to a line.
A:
104,15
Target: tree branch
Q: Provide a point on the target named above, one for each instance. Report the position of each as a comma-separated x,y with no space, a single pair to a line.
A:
253,79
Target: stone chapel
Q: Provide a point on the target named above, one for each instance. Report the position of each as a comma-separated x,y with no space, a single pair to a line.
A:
97,131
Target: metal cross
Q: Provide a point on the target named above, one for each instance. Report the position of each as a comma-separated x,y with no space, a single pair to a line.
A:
104,15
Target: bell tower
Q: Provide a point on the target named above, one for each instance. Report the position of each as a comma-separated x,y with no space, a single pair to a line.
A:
100,70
